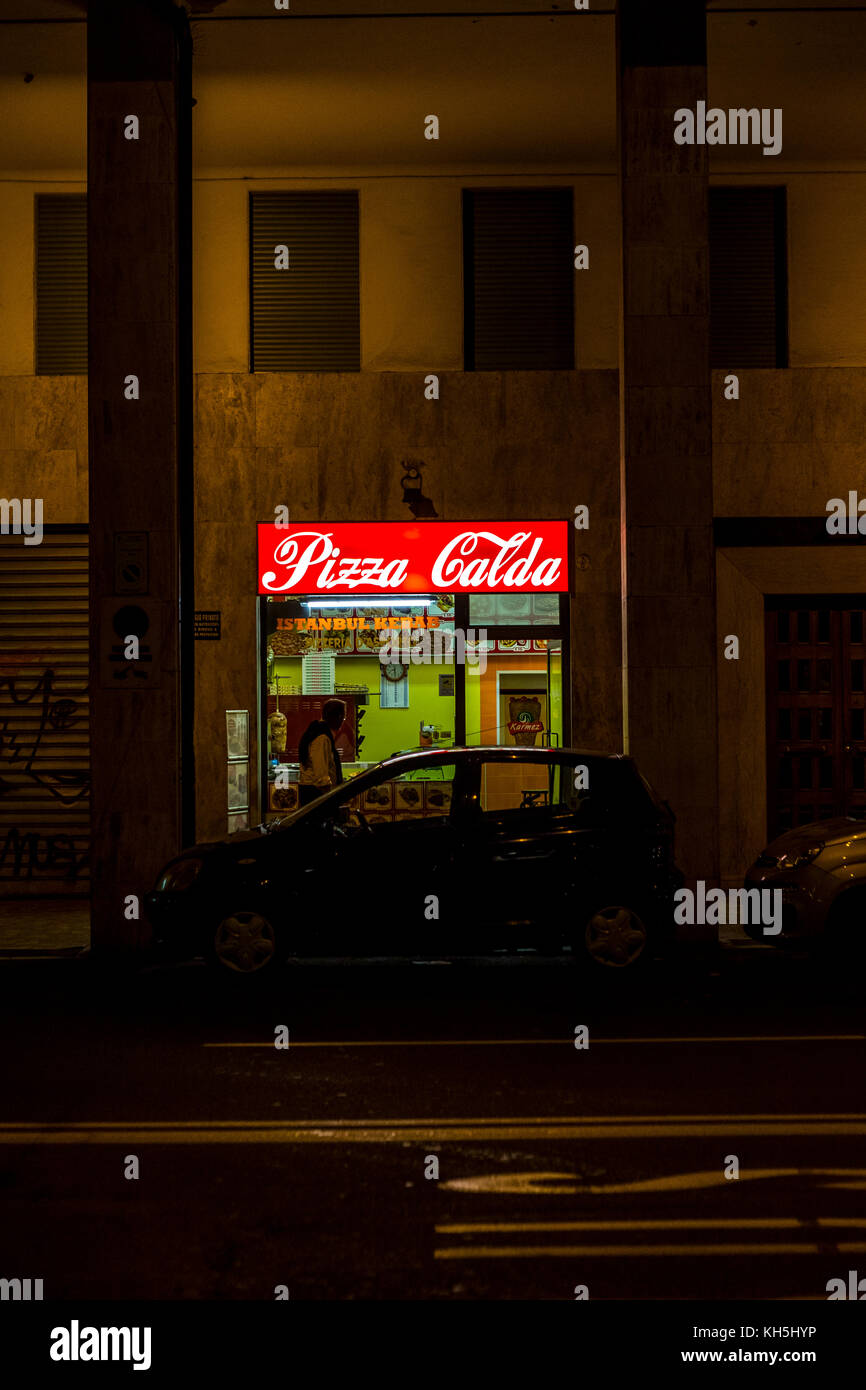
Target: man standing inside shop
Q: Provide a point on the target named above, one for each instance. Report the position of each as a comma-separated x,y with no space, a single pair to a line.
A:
317,753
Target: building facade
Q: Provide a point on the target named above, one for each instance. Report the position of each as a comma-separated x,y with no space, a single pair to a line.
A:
525,301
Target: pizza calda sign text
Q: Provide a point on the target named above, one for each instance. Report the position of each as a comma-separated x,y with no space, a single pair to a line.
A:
396,557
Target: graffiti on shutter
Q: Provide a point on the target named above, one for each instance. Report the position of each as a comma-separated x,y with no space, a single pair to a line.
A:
44,714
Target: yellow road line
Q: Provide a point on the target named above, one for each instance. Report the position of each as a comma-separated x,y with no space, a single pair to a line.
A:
477,1121
555,1184
547,1252
420,1132
677,1223
556,1042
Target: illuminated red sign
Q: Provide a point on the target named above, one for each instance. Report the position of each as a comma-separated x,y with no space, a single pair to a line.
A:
396,557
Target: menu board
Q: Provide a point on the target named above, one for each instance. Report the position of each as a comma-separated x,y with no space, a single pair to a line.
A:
348,630
399,800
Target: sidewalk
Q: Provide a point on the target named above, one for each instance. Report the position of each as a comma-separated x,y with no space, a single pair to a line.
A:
30,926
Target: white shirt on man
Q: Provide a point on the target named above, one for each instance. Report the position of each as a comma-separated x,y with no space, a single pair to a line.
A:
322,771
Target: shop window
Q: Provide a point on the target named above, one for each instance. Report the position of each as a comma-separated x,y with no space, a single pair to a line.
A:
518,273
305,282
392,707
61,284
513,610
748,278
516,701
413,671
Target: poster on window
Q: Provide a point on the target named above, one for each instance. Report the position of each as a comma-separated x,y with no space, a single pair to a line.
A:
238,786
523,718
237,734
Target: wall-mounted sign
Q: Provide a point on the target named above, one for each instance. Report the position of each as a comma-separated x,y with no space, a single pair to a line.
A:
129,644
524,714
131,562
396,557
352,624
206,625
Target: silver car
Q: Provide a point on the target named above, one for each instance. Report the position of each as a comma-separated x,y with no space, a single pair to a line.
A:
821,870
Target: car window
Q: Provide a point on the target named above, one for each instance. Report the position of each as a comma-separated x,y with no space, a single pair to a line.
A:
512,786
374,793
596,790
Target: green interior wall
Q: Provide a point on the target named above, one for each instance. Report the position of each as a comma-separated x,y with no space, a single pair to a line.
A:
386,731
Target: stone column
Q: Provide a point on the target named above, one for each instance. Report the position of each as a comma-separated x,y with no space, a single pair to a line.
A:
669,640
138,133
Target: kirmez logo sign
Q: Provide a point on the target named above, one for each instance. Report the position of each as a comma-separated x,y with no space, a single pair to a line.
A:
396,557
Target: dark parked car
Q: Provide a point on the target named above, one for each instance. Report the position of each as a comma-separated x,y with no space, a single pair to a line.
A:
438,853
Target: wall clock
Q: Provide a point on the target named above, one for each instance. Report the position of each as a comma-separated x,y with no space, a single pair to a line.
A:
395,671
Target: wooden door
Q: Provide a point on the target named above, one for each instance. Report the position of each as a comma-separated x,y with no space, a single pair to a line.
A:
816,741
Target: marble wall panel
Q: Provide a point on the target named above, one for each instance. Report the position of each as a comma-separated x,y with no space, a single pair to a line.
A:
43,444
675,560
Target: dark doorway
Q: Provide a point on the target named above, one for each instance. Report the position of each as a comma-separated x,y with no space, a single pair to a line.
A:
816,740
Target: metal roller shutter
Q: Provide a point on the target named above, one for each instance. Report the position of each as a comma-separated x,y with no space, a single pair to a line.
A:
44,714
61,283
306,318
518,257
748,278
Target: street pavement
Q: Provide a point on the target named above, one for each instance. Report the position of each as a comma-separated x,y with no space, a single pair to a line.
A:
432,1131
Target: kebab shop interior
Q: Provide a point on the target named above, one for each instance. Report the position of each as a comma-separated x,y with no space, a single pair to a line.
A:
459,668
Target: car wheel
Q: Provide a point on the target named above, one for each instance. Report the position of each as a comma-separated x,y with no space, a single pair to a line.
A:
245,943
614,938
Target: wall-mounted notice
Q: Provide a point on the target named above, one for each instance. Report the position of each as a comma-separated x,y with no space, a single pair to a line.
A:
206,625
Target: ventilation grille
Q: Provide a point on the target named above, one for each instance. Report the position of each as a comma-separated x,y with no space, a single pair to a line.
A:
44,714
61,283
748,276
317,673
518,279
306,318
